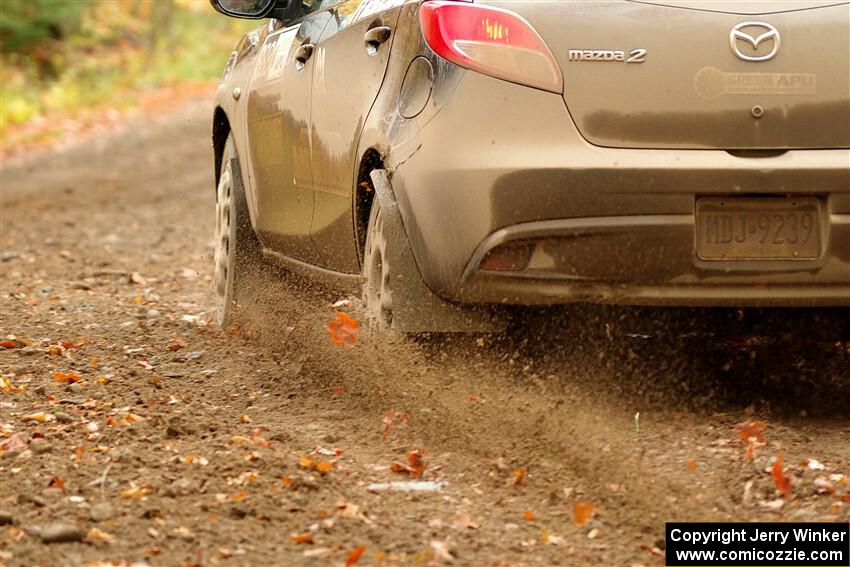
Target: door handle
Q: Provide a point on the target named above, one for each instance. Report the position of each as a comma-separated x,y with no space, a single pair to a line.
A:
375,37
302,54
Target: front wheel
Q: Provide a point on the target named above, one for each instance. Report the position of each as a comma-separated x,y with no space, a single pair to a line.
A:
238,254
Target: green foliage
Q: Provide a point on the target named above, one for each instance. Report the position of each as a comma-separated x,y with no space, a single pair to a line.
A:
28,24
62,55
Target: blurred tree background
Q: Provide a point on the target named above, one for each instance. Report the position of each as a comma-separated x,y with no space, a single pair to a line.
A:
60,56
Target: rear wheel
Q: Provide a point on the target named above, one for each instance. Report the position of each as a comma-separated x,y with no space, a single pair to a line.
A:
238,254
377,292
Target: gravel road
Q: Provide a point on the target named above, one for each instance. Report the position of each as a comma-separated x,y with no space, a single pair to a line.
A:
133,429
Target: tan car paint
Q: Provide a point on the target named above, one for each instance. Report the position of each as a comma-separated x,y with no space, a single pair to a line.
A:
692,90
489,163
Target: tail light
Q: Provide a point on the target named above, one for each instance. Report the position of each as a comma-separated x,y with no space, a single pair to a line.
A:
490,40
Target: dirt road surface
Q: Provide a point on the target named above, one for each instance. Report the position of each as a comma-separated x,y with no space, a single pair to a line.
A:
137,429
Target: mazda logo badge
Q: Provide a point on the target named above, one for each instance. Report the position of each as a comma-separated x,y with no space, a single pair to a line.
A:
763,33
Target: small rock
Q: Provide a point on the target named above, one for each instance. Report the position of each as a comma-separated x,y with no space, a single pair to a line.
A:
59,532
184,533
52,493
181,486
63,417
193,355
8,255
209,372
81,285
25,455
31,499
127,324
153,314
41,390
101,511
6,518
40,446
136,278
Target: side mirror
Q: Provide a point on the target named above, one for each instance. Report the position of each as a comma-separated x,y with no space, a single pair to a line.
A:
252,9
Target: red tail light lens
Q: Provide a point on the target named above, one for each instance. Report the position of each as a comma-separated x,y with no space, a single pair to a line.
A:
491,41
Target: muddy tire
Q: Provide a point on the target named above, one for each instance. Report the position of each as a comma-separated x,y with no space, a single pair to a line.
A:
377,292
238,254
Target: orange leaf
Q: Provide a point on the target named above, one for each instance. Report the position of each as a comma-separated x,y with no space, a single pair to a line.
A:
68,378
519,476
400,468
343,331
355,555
258,439
8,344
416,464
58,482
692,466
752,430
529,516
581,513
782,482
287,481
301,538
324,467
305,463
240,496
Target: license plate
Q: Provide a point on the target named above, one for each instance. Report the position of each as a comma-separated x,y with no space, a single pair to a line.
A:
752,228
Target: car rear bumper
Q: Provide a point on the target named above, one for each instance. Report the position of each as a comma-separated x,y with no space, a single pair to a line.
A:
650,260
607,224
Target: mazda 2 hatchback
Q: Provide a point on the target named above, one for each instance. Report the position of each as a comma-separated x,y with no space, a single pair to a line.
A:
446,156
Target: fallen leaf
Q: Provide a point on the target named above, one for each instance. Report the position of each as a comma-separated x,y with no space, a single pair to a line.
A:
258,439
582,512
240,496
40,417
57,482
782,482
95,534
415,466
343,331
244,419
529,516
13,443
134,493
752,433
519,476
692,466
7,386
67,378
9,344
355,555
324,467
287,481
300,539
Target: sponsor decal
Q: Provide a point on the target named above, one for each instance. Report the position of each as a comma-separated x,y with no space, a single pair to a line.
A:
711,83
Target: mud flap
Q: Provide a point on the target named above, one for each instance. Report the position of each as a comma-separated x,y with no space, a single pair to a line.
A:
416,309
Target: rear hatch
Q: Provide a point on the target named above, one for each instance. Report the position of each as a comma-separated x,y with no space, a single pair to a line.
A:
698,81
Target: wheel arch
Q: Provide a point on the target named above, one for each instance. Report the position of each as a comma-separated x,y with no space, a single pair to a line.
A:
220,133
364,195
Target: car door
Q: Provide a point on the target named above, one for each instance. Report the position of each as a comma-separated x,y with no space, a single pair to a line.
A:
278,123
351,59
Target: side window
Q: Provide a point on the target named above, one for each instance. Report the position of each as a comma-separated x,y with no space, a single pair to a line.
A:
304,8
